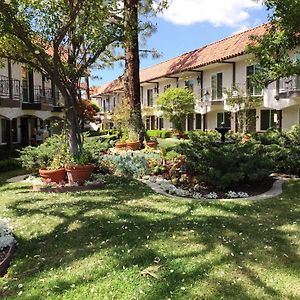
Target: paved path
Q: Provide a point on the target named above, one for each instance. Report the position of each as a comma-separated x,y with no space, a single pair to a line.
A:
15,179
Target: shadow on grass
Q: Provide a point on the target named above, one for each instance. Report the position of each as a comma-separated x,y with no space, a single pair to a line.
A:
196,241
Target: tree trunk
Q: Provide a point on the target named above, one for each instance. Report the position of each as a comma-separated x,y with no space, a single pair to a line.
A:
132,68
73,125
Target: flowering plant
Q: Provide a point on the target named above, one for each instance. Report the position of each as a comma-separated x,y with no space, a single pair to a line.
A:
6,237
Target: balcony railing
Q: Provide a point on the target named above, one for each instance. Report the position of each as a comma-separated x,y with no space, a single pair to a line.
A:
40,95
6,85
289,84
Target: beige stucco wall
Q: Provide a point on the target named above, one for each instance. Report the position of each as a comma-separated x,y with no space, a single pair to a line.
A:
290,117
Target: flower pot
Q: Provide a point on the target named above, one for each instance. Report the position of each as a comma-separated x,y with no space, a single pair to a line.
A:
133,145
79,174
152,144
120,145
53,175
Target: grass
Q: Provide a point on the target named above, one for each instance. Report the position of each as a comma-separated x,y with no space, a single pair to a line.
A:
94,245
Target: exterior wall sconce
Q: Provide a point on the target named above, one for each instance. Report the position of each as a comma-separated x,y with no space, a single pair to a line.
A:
156,90
206,96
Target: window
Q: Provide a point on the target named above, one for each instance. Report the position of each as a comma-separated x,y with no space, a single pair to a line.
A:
251,88
113,103
190,124
217,86
268,119
167,87
150,123
224,117
150,98
189,84
160,123
198,121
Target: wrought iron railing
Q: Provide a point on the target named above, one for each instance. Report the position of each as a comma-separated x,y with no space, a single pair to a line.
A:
41,94
6,85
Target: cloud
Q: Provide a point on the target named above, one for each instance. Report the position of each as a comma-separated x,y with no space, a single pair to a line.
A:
232,13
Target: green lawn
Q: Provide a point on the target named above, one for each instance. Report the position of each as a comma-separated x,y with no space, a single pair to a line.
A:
94,245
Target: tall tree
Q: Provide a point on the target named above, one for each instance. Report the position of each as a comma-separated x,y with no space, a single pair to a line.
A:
133,25
273,49
60,39
132,66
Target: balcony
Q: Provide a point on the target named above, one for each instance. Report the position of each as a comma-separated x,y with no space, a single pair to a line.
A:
289,87
9,92
40,98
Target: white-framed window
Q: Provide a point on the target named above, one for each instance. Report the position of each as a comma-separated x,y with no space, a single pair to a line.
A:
150,97
217,86
251,88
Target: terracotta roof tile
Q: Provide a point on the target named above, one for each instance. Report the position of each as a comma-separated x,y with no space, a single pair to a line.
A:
216,52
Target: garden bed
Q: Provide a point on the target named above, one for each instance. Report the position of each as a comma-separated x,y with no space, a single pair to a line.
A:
6,256
201,191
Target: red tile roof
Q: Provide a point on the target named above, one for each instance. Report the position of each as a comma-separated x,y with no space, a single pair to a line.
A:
219,51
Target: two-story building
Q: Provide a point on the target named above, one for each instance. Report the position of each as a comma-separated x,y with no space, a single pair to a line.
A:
209,72
29,104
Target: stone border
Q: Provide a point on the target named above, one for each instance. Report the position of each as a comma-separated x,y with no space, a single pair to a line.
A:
4,264
274,191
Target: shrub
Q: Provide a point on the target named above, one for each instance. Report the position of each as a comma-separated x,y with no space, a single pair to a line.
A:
34,158
283,148
129,165
228,165
9,164
160,133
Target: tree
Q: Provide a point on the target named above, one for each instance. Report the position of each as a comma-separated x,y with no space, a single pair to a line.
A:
272,49
175,104
132,28
87,111
242,102
61,39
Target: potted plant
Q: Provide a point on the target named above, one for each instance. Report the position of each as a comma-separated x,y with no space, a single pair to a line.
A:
151,142
55,172
132,142
121,143
80,169
48,159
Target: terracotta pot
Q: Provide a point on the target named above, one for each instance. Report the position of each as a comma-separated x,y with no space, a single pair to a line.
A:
152,144
53,175
133,145
79,174
120,145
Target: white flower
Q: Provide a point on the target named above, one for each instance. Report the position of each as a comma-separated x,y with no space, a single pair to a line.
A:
231,194
212,195
6,237
242,195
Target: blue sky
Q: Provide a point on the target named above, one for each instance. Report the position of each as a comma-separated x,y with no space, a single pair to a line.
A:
190,24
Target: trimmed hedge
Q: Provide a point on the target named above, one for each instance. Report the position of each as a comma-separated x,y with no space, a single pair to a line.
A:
160,133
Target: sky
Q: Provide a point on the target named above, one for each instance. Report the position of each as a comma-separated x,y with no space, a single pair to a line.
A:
190,24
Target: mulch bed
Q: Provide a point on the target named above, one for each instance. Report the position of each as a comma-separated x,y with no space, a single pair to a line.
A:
251,189
66,188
